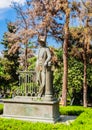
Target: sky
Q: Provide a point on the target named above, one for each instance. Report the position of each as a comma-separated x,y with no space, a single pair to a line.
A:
6,14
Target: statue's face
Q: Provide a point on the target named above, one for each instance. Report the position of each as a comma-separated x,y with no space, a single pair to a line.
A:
42,44
42,41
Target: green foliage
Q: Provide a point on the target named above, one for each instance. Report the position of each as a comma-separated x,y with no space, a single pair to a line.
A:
57,83
89,75
89,83
58,73
8,64
75,80
6,67
75,74
32,62
72,110
7,75
84,121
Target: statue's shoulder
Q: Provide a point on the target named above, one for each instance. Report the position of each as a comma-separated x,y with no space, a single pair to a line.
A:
47,48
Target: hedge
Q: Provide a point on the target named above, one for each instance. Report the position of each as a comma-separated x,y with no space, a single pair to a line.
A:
72,110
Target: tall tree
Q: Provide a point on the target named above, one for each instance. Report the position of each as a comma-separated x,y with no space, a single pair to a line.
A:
9,62
86,17
24,32
36,18
82,51
65,54
83,11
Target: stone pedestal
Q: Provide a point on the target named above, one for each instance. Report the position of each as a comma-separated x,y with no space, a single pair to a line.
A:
49,85
27,108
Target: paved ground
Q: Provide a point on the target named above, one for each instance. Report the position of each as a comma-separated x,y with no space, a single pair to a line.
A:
67,119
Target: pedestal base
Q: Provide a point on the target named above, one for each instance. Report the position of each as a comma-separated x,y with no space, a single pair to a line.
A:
27,109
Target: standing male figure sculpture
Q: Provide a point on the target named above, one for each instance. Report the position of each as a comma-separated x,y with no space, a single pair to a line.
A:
43,61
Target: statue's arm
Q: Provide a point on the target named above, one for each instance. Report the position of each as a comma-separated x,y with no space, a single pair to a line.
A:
48,56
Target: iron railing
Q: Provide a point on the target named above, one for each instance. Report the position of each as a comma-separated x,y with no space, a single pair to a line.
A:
27,84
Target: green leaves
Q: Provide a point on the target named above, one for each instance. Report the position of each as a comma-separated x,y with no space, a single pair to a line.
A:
75,74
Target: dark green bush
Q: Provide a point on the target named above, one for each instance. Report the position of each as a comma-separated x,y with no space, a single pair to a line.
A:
83,122
72,110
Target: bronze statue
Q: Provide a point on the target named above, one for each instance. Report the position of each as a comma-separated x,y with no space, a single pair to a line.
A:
43,61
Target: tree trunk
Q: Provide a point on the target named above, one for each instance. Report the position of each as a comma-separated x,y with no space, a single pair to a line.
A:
85,82
65,75
86,48
26,65
85,74
63,101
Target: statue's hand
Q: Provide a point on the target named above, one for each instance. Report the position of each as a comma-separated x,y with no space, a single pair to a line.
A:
45,64
49,63
37,81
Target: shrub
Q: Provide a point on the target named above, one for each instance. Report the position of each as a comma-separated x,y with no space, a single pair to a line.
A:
84,121
72,110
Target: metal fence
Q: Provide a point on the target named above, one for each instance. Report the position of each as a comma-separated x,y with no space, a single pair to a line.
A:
27,84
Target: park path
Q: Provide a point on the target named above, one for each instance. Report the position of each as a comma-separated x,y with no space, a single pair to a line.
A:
66,119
